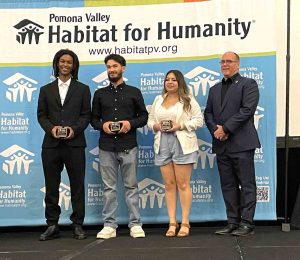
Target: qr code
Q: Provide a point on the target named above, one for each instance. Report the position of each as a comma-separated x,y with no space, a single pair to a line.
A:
263,193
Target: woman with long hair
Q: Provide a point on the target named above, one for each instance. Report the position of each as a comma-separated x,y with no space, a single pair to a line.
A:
174,117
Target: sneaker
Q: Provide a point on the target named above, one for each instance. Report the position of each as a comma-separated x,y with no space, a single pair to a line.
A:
137,231
107,232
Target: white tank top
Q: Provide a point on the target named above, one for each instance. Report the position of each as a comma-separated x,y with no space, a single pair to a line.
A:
167,113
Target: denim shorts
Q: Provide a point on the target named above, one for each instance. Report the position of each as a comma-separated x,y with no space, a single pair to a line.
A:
170,151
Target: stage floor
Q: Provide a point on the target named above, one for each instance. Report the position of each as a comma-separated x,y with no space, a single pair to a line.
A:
269,242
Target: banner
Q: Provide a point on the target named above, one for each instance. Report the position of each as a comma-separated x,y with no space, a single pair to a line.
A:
154,38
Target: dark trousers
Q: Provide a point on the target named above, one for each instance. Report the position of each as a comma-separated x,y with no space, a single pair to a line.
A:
237,175
54,160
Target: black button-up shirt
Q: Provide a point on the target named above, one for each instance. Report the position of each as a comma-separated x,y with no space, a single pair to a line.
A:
115,104
226,84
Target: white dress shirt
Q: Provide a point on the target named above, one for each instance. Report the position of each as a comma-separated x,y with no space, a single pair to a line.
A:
63,88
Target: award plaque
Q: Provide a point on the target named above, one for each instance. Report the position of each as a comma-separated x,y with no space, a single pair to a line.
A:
62,132
166,125
115,126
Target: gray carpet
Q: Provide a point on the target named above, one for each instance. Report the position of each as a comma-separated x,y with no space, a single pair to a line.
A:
269,242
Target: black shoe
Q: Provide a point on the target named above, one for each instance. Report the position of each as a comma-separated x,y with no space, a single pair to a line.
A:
226,230
52,232
78,232
243,231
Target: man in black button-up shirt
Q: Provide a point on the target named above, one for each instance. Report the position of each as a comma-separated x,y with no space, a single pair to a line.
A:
117,111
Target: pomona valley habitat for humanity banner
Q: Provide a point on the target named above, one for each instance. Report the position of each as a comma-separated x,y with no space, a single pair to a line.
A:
154,38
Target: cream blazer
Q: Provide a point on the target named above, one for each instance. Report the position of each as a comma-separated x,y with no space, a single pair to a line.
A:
189,122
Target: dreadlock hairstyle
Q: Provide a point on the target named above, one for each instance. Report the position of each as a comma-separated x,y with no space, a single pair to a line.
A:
183,90
75,68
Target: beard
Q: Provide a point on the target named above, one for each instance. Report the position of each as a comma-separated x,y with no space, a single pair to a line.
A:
115,77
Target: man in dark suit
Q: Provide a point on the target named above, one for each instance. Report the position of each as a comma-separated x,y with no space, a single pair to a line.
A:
64,112
229,116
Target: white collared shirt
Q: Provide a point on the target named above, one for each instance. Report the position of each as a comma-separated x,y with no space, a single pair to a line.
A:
63,88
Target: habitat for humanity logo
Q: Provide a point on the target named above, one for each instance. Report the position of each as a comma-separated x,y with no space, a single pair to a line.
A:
205,154
64,195
203,78
19,86
151,190
28,30
17,160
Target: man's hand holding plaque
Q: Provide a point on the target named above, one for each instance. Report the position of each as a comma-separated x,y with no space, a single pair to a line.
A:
115,127
125,127
62,132
118,127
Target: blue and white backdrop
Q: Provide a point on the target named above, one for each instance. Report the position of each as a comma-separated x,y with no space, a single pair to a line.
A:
154,38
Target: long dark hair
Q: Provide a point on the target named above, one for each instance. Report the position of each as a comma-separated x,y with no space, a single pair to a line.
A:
56,58
183,90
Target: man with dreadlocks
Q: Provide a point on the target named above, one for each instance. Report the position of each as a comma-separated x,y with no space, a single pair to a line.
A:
64,112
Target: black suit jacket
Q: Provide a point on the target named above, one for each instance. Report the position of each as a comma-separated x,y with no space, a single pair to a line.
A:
75,112
236,114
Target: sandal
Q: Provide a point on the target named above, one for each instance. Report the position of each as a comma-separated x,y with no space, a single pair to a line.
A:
182,233
171,233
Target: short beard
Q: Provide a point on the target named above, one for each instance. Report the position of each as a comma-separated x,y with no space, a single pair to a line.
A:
115,79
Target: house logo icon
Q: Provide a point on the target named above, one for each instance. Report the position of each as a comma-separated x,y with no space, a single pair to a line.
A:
101,79
203,78
19,86
206,156
28,30
64,195
151,191
17,159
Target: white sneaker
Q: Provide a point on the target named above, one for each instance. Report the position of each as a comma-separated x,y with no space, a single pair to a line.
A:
137,231
107,232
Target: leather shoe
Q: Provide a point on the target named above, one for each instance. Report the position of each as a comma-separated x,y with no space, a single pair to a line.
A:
52,232
243,231
78,232
226,230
